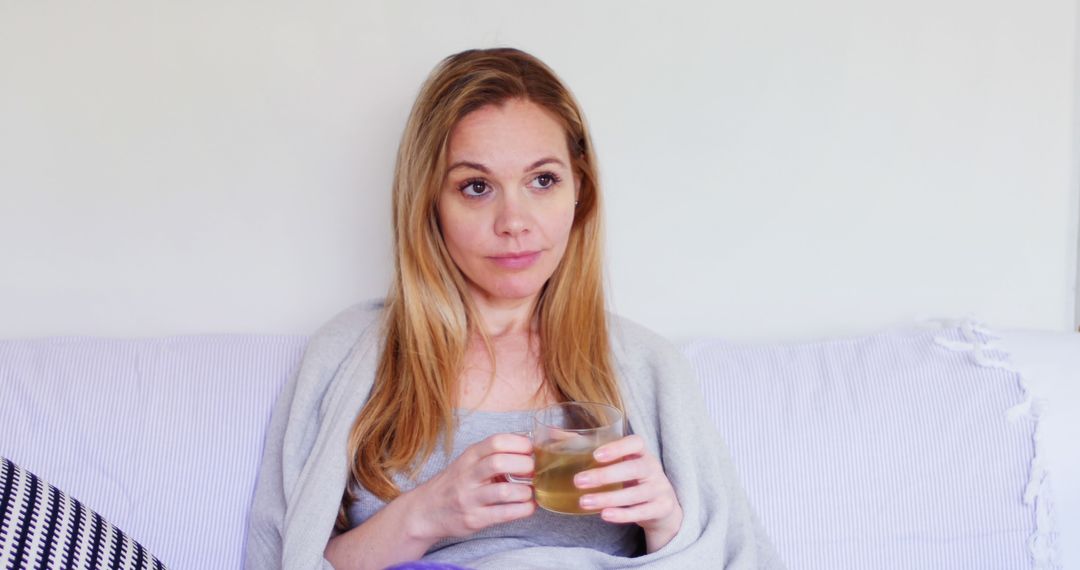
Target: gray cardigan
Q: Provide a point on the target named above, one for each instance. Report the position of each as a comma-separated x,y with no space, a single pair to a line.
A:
305,465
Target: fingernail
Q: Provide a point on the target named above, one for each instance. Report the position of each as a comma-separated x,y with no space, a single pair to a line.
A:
602,454
583,480
587,502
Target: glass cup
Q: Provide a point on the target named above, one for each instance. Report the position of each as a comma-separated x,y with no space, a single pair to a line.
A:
564,438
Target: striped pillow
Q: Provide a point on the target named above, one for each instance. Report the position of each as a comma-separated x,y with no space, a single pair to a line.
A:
41,527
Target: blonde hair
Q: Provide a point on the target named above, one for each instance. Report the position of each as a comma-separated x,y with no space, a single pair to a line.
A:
429,315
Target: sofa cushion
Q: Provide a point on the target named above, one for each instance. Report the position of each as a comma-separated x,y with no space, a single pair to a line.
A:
883,451
163,437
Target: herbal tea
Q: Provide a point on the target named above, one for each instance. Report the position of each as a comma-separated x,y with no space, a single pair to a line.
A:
554,478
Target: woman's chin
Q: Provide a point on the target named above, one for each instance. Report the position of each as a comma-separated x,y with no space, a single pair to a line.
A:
511,292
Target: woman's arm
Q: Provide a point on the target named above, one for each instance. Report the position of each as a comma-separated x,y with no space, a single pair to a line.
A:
467,496
389,537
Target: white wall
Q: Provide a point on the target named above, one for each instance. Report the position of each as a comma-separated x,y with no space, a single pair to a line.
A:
773,169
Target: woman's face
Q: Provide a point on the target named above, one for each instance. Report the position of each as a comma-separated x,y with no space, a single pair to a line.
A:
507,203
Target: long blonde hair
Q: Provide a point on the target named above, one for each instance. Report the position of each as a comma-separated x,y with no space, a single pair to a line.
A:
429,315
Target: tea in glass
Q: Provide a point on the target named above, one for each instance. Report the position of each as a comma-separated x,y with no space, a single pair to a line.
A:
553,481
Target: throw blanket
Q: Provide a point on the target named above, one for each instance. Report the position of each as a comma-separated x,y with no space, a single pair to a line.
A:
305,465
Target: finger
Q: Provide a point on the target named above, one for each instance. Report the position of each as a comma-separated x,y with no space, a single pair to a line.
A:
630,445
505,443
501,464
652,510
479,518
503,493
625,497
507,512
636,469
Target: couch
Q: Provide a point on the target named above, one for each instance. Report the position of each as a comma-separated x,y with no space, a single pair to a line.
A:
931,446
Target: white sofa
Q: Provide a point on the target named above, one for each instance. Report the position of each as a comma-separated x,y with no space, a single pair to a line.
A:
889,450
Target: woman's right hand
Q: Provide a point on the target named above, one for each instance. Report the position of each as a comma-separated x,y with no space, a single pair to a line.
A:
472,492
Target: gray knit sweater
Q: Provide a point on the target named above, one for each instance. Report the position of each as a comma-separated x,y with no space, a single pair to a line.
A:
305,466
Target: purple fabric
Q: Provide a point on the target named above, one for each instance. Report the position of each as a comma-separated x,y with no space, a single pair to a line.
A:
421,565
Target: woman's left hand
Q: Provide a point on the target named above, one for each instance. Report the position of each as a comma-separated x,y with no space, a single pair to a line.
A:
647,497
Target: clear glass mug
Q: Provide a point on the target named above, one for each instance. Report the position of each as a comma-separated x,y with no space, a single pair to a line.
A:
564,438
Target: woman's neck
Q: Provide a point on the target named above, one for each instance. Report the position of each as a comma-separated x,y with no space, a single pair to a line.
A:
506,317
514,380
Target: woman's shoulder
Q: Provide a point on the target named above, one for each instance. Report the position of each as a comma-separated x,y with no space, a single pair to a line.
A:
654,374
635,344
333,340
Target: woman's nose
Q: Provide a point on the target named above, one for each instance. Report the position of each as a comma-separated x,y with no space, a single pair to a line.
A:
514,216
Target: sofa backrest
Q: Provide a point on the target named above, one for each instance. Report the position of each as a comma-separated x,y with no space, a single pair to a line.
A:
162,437
883,451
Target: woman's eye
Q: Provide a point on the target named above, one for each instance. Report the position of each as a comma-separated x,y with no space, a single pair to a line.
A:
474,188
546,180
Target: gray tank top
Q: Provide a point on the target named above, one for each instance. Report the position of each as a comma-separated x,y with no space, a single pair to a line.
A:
543,528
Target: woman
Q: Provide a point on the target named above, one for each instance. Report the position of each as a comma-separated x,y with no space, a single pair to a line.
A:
392,442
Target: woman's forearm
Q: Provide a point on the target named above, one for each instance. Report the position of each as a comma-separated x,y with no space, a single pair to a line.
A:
389,537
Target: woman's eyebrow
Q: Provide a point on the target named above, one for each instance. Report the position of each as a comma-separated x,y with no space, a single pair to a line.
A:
467,164
485,170
543,161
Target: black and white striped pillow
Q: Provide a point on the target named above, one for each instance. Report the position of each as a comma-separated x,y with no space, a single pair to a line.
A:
41,527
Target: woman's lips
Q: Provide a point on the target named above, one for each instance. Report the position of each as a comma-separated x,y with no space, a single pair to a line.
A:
515,260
